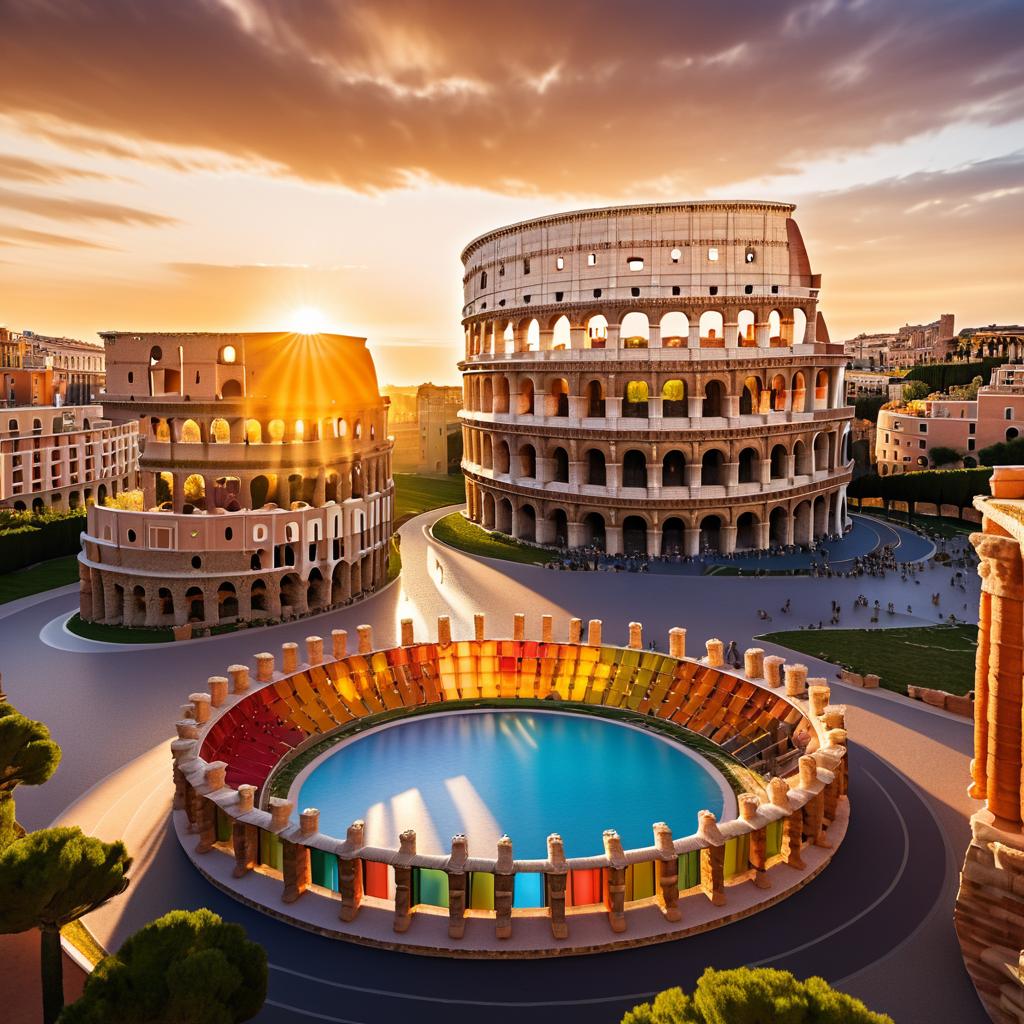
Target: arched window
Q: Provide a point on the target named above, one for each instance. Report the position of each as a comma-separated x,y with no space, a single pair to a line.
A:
560,466
634,401
596,471
634,469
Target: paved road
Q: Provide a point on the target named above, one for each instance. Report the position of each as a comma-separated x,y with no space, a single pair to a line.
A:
879,913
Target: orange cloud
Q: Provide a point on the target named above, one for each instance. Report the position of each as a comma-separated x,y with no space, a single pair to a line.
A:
11,235
578,97
61,208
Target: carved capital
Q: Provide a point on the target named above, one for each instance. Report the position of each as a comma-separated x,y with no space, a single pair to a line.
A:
1000,568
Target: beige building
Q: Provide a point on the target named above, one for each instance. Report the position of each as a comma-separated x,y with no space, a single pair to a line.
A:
61,371
266,479
437,416
907,432
64,457
922,343
652,379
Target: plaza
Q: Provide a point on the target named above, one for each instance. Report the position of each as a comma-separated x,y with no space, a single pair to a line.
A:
880,907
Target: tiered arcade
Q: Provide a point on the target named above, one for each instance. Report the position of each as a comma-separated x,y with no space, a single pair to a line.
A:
266,479
652,379
243,728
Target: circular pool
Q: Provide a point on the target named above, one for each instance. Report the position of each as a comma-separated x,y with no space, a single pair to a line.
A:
525,773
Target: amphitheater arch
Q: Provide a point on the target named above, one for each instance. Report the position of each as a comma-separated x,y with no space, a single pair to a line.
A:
560,466
799,392
634,330
749,466
820,515
504,516
673,536
673,399
803,464
597,473
799,325
227,602
634,469
775,326
711,534
779,463
195,605
802,524
595,399
778,393
561,334
526,523
778,522
559,527
488,511
750,399
528,461
747,531
673,469
316,590
820,451
597,331
525,396
712,468
675,330
502,457
822,382
594,530
635,397
501,394
487,395
486,453
714,399
559,394
745,328
634,535
712,329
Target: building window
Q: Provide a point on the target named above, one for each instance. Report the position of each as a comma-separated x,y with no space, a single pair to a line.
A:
1007,414
597,293
228,354
558,296
713,290
971,427
775,289
922,444
675,255
259,533
501,270
713,254
748,289
483,279
923,428
970,444
228,533
560,263
526,298
131,536
749,256
592,259
197,562
676,290
131,377
526,265
635,292
635,263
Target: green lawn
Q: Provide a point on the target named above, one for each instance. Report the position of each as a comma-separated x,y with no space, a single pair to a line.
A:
942,526
939,657
118,634
415,494
57,572
458,531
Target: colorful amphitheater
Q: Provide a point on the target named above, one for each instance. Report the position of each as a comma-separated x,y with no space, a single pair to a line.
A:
242,741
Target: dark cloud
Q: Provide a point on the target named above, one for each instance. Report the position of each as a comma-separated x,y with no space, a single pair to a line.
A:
584,96
70,208
11,235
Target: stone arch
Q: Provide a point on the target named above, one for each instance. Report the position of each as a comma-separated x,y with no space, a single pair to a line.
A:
316,590
749,466
799,326
526,396
594,530
820,451
747,531
803,464
502,456
595,399
711,533
560,466
341,583
634,469
220,432
779,463
778,393
673,536
673,469
712,468
561,333
712,329
774,326
675,330
820,516
487,395
597,473
227,602
486,454
778,534
634,330
597,331
528,461
559,526
673,398
503,521
526,523
190,433
802,524
752,396
746,326
635,395
558,392
487,511
634,535
822,383
714,399
293,593
195,605
799,392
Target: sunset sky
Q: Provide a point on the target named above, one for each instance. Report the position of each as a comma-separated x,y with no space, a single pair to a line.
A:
214,164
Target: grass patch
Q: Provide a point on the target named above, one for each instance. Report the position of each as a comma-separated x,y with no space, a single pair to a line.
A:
57,572
118,634
939,657
82,939
941,526
457,530
394,559
415,494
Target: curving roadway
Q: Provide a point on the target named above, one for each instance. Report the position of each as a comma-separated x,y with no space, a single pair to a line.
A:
881,911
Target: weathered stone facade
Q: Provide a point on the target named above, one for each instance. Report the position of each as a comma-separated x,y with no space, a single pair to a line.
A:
266,480
990,903
652,380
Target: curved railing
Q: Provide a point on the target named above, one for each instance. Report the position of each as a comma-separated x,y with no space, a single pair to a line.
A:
234,736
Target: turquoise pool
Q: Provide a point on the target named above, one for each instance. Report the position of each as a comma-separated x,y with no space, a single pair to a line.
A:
527,773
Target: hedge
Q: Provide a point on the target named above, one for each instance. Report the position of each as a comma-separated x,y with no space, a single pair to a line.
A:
940,376
956,487
29,537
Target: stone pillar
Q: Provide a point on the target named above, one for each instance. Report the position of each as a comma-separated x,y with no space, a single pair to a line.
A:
575,630
667,870
998,704
615,881
691,535
297,875
408,637
796,680
350,874
218,686
636,631
556,875
339,643
504,887
200,707
758,856
239,678
207,824
753,662
716,654
289,657
519,626
546,628
264,667
677,642
245,842
818,694
773,669
457,887
444,631
403,882
365,638
594,633
792,824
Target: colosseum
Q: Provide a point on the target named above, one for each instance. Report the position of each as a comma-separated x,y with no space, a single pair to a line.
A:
652,379
266,480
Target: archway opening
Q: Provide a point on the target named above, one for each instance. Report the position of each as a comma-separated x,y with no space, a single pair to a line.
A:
634,536
673,470
634,469
712,469
673,534
711,534
634,399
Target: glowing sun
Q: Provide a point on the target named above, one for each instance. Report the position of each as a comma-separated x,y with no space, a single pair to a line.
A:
307,320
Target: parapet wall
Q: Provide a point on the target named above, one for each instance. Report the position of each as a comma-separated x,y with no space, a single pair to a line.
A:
232,737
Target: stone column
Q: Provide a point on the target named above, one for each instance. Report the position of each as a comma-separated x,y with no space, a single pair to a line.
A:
403,883
350,875
504,888
998,703
557,875
667,870
615,881
457,878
